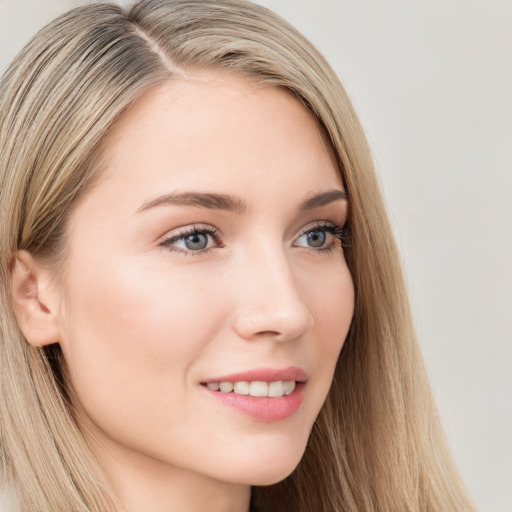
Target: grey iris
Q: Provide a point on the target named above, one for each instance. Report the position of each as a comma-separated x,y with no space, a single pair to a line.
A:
316,238
196,241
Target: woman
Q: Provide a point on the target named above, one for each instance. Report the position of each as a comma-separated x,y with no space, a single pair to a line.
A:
195,256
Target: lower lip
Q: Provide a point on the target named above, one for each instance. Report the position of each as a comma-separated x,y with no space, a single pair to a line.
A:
263,408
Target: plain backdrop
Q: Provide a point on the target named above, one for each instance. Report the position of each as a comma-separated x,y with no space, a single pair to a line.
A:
432,83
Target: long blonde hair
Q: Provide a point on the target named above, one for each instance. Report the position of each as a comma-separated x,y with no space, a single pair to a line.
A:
377,444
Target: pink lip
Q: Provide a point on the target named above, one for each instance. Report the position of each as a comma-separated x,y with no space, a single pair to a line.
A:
262,408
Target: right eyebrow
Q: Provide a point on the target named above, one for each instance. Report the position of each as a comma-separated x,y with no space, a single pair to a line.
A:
198,199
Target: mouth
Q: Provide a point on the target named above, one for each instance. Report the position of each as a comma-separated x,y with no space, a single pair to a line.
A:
264,394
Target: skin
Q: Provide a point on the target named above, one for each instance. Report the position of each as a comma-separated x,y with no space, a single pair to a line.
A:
142,323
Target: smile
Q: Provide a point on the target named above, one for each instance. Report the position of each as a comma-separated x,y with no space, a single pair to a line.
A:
265,394
255,388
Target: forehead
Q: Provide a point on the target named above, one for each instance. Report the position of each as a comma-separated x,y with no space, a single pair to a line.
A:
215,132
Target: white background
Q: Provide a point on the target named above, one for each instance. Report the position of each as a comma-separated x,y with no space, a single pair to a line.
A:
432,82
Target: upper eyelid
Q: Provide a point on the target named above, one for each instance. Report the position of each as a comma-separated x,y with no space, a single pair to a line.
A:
187,229
207,228
319,224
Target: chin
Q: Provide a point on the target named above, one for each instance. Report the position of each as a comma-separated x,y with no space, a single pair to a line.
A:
273,478
268,468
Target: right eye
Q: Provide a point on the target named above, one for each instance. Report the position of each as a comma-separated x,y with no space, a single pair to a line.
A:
195,240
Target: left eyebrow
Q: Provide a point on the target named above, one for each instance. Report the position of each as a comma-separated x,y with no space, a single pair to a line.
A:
322,199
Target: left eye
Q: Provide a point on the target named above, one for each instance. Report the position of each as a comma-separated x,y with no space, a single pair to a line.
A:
320,237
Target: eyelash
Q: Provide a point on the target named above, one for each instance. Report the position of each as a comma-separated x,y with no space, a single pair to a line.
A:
338,232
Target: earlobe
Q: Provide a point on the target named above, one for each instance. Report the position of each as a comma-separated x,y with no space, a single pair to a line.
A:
33,301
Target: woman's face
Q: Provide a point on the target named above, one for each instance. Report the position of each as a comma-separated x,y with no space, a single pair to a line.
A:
207,255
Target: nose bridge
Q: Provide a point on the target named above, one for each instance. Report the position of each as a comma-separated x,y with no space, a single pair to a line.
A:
269,300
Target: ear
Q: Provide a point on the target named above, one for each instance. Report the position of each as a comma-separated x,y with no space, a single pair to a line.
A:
34,300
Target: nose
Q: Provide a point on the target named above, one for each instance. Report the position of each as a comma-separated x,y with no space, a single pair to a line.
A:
268,300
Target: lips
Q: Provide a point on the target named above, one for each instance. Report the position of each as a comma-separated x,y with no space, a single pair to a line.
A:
266,394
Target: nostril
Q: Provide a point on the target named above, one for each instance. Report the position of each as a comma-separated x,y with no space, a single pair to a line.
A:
265,334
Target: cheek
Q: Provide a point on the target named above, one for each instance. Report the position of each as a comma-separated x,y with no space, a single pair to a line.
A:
332,306
330,295
135,335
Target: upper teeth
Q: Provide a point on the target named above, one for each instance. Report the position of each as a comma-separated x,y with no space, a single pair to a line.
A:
255,388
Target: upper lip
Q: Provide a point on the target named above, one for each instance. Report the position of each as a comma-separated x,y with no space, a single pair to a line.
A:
263,374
